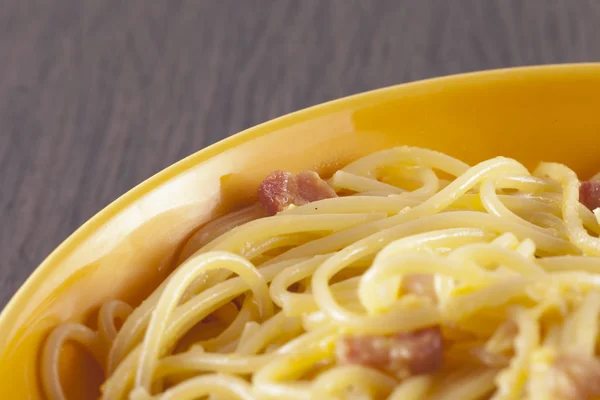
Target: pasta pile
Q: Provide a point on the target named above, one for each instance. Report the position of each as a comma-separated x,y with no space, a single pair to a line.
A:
412,275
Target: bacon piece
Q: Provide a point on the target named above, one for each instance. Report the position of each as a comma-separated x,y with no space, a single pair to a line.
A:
281,189
589,194
312,188
276,191
576,378
402,355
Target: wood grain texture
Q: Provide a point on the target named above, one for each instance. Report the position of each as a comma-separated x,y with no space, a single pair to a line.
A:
97,95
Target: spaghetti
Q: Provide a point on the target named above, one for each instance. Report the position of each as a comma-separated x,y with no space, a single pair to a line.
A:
409,275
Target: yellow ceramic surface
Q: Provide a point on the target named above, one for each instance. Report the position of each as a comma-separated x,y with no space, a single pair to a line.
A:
536,113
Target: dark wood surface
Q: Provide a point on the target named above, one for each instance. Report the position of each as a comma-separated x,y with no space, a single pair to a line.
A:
97,95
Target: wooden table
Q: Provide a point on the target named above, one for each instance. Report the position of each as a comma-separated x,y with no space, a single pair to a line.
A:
98,95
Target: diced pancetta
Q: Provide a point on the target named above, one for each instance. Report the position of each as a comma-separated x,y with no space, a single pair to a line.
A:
589,194
402,355
281,189
576,378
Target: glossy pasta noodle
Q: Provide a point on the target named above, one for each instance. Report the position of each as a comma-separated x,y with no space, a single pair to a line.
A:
426,278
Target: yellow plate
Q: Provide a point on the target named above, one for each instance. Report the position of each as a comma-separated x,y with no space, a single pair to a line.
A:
534,113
